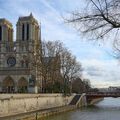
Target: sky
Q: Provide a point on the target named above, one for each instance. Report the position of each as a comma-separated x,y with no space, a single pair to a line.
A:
96,58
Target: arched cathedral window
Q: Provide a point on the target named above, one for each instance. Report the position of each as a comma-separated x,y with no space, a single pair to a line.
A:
26,64
27,31
8,34
22,63
0,33
22,47
8,47
0,47
23,31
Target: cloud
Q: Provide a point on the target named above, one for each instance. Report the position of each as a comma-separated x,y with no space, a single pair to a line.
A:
102,73
98,66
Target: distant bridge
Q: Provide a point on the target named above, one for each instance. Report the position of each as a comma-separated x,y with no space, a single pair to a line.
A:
103,94
92,96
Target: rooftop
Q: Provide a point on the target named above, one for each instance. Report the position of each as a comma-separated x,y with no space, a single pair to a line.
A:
5,21
27,18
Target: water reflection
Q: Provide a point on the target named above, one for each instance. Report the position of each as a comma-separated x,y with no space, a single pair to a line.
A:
108,109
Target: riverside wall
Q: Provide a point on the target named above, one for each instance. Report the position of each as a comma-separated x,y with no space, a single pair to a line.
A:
94,101
34,106
12,104
82,102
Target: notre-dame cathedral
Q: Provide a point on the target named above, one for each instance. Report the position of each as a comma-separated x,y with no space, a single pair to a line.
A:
18,58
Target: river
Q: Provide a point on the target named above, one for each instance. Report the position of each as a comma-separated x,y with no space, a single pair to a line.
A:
108,109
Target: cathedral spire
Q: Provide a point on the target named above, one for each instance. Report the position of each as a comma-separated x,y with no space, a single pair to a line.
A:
31,15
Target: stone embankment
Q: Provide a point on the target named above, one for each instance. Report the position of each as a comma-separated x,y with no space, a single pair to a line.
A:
38,114
23,104
34,106
96,100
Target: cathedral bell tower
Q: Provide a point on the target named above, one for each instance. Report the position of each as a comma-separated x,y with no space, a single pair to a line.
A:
20,60
27,32
27,43
6,36
27,36
6,41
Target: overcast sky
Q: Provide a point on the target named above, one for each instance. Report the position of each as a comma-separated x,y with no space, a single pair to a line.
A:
98,64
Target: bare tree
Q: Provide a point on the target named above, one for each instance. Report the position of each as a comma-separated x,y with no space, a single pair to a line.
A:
60,65
87,85
99,20
70,69
51,65
77,85
80,86
36,66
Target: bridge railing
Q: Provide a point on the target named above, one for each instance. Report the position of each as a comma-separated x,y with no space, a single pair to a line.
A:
104,93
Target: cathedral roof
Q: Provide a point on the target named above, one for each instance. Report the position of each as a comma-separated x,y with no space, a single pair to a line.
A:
5,21
27,18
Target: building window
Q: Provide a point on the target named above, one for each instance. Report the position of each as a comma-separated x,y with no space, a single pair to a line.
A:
0,33
22,63
27,31
22,48
0,51
26,63
8,34
8,47
23,30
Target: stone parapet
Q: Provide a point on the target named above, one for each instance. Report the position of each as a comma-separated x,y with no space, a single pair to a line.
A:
14,71
12,104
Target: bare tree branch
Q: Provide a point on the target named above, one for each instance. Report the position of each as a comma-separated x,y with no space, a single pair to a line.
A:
100,20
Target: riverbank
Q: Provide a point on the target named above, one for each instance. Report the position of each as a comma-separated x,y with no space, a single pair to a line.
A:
13,105
108,109
95,101
39,114
34,106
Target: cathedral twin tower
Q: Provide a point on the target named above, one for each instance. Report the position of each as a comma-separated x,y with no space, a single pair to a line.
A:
27,30
16,69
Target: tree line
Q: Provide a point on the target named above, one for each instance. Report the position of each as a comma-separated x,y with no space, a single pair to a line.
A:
60,70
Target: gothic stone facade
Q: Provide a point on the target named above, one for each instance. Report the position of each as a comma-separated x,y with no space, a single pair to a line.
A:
18,69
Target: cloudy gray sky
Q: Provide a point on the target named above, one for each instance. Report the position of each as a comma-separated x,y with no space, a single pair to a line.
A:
98,64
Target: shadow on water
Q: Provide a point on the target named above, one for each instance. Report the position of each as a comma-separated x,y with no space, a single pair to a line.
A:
108,109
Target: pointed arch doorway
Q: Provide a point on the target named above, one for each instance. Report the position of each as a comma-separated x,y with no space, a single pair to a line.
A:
8,85
22,85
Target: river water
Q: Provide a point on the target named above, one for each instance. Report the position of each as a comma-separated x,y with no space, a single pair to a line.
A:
108,109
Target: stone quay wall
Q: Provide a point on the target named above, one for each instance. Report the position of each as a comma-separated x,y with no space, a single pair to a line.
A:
95,101
11,104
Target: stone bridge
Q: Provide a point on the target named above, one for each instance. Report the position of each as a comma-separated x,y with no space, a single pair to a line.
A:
103,94
100,95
